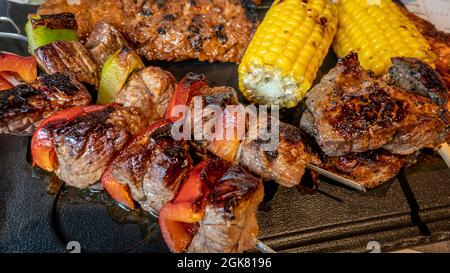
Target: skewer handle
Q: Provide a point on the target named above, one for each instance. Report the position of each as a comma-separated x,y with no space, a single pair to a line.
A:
262,247
444,152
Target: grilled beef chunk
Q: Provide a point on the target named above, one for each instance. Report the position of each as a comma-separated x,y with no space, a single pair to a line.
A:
370,169
439,42
68,57
286,163
150,90
23,107
104,41
229,223
172,29
85,145
351,111
152,165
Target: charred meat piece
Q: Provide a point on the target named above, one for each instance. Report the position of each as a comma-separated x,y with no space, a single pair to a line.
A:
284,164
25,106
104,41
229,223
152,165
370,169
415,76
351,112
150,90
208,30
79,143
68,57
439,41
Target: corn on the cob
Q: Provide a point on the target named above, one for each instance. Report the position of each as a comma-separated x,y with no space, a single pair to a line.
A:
377,30
287,50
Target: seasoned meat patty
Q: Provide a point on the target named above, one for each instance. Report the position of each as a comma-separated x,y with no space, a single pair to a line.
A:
370,169
23,107
85,144
230,224
351,111
104,41
174,30
150,90
68,57
152,165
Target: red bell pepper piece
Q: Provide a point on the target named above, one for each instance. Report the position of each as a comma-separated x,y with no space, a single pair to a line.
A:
25,67
4,84
179,218
183,92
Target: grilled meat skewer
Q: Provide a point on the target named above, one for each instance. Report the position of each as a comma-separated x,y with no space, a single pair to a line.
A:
23,107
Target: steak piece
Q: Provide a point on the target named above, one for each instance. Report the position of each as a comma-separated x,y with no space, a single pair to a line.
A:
68,57
172,30
152,165
84,145
370,169
25,106
230,224
104,41
351,112
286,163
150,90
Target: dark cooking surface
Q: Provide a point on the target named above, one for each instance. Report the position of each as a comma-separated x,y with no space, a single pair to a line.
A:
412,209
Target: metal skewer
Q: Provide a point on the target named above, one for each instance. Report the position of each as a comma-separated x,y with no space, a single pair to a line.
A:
14,36
444,152
337,178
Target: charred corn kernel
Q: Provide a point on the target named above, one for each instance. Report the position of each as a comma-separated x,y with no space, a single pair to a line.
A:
378,30
286,51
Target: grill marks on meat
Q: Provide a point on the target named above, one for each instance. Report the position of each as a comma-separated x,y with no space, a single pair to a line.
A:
23,107
230,224
86,144
150,90
208,30
370,169
68,57
286,164
153,164
351,111
104,41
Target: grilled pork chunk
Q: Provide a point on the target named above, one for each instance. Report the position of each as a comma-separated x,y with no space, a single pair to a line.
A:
104,41
229,223
284,163
150,90
79,143
152,165
208,30
370,169
23,107
351,111
68,57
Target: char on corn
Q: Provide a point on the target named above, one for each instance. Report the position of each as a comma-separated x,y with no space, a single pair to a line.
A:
378,31
286,51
